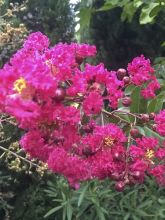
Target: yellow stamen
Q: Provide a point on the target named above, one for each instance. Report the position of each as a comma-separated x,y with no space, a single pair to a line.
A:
149,154
48,62
108,141
19,85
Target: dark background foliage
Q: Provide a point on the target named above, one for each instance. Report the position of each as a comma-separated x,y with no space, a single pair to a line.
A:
118,42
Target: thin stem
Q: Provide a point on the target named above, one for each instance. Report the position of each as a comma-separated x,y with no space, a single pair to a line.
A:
127,154
126,113
102,119
18,156
116,116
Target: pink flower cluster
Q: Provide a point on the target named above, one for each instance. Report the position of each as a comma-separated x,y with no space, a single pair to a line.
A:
58,103
142,73
160,122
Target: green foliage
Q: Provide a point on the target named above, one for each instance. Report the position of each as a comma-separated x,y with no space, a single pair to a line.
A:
116,39
5,195
12,30
31,202
98,200
148,9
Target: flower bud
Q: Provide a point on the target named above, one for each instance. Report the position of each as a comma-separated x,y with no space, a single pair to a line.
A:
59,94
115,176
119,186
154,126
134,132
152,115
145,117
79,59
126,80
117,156
136,174
121,73
127,101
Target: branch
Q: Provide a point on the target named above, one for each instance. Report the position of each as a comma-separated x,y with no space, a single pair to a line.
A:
116,116
20,157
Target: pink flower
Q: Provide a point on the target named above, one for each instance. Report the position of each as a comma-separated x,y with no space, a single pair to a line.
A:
84,50
101,164
149,91
93,103
72,167
160,153
34,144
105,138
36,41
159,173
140,70
145,149
138,166
58,106
25,111
160,121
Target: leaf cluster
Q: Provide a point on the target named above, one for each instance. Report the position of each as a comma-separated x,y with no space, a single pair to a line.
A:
98,200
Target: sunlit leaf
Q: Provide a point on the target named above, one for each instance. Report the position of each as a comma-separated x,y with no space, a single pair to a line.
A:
145,13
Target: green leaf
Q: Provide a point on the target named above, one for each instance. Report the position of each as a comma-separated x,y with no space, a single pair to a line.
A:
159,105
69,211
160,68
151,133
155,11
82,195
100,213
107,6
64,213
126,217
137,3
53,211
128,12
145,204
162,213
129,89
139,104
85,17
135,100
135,217
152,105
145,13
141,130
161,201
